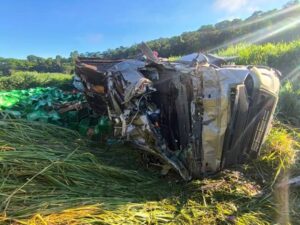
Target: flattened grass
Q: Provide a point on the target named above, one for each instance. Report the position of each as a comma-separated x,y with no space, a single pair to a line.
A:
49,175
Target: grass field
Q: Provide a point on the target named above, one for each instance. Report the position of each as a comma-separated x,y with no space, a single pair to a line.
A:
24,80
282,56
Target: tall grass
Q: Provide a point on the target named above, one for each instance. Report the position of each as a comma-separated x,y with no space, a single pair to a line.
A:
282,56
289,103
24,80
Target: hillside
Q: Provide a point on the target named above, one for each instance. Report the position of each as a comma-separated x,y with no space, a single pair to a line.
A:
261,27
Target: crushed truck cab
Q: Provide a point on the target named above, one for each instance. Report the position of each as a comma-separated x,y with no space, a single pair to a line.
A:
195,114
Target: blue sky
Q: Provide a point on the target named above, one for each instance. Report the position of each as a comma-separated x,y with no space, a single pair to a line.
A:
48,28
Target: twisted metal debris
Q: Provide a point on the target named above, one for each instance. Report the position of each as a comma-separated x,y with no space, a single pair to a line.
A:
195,114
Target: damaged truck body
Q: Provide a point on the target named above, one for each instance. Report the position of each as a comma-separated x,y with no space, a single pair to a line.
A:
195,114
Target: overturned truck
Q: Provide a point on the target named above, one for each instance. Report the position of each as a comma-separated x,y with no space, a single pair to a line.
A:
196,114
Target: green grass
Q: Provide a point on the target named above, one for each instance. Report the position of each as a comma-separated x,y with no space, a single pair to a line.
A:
50,175
173,58
24,80
282,56
288,109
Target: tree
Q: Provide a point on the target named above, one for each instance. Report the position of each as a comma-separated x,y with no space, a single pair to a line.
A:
74,55
32,58
206,28
58,59
291,3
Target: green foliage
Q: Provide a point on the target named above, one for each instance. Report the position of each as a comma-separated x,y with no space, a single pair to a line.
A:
39,64
279,154
173,58
24,80
283,56
289,103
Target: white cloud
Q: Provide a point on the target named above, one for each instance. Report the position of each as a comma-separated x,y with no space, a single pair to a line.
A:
239,7
252,8
230,6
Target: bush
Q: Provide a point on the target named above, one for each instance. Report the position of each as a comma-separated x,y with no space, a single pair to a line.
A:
289,103
24,80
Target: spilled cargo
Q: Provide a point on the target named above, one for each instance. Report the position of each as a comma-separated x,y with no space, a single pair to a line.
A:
196,114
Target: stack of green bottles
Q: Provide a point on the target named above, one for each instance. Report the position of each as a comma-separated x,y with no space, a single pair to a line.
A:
42,104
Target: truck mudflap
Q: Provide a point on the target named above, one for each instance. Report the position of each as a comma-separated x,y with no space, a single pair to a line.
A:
195,116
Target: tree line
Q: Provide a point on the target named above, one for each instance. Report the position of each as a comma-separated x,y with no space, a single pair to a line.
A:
58,64
261,27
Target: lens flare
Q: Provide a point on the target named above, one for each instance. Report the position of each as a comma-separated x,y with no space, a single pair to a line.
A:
264,33
293,75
